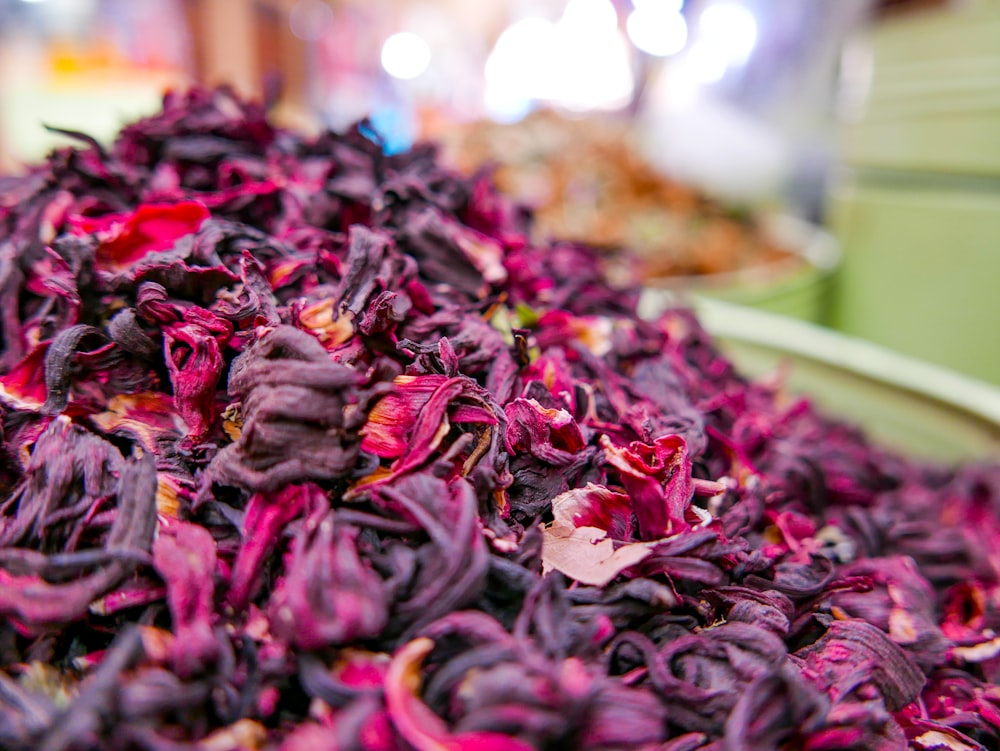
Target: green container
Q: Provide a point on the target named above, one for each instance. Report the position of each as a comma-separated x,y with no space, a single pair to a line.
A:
799,287
917,212
918,408
921,271
931,101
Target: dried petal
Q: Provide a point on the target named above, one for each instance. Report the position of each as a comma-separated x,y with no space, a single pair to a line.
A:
587,555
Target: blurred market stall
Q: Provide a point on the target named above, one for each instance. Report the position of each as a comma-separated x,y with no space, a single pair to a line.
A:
733,95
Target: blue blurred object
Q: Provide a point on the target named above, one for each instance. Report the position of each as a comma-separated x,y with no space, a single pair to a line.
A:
395,126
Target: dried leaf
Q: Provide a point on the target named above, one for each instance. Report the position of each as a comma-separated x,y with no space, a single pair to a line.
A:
587,555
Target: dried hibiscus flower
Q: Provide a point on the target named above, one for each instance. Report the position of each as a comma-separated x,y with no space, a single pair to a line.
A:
307,446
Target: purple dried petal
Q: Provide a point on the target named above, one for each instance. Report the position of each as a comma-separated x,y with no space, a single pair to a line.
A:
551,435
184,556
854,653
23,386
658,479
266,516
329,595
296,421
595,506
424,730
193,352
35,604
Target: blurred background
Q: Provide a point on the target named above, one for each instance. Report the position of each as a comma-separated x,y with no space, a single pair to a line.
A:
738,95
834,161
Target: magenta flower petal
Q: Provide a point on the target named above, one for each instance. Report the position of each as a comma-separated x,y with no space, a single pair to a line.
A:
127,238
658,479
184,556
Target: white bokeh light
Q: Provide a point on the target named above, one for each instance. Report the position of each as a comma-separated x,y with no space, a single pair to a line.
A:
523,59
579,63
657,29
520,68
661,6
704,63
594,70
730,30
405,55
590,16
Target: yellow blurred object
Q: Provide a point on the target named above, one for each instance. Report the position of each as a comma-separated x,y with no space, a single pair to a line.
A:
93,79
587,184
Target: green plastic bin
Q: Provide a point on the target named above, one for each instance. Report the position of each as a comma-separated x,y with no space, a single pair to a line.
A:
916,407
921,272
917,211
799,287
